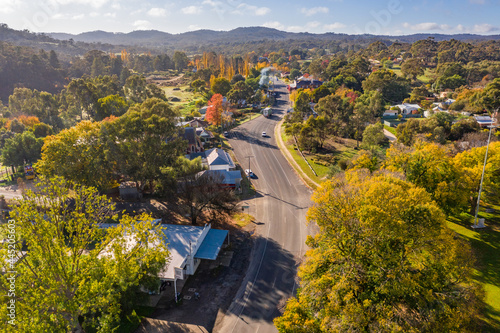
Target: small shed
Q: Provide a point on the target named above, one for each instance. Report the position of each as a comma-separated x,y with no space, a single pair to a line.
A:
128,191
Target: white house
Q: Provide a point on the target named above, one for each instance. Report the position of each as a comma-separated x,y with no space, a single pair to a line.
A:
407,108
218,159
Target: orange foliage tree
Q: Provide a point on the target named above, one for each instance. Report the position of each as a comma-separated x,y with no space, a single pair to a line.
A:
214,110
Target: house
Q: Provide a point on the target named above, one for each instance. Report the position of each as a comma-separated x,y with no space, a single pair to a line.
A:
187,246
204,135
214,159
226,179
484,121
407,108
218,159
194,142
197,123
284,74
390,114
449,102
304,83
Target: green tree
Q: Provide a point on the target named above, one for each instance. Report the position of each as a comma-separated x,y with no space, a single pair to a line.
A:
180,60
22,148
143,141
75,276
240,91
337,112
221,86
78,154
373,135
383,261
392,87
112,105
412,68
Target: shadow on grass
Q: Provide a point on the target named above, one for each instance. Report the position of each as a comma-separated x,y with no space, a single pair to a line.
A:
486,246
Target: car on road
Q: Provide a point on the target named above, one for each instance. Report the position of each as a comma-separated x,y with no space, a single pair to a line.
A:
226,134
264,134
249,173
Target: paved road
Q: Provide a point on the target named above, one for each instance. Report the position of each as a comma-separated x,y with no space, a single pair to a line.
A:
280,208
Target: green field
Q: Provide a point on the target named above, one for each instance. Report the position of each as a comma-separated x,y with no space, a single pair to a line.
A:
187,99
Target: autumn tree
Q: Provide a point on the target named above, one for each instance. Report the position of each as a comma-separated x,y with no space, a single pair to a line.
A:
431,167
472,162
214,110
383,261
73,276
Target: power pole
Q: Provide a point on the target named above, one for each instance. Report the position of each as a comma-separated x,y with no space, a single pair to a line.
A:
249,162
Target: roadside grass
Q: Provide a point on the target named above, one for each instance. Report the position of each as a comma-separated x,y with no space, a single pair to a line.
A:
302,164
390,129
243,219
486,246
130,323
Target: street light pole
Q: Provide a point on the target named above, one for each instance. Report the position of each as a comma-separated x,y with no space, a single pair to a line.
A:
475,225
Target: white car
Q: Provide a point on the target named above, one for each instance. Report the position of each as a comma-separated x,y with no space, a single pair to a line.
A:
264,134
249,173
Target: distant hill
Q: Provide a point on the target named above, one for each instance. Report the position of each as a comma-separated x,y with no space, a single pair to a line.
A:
239,40
241,35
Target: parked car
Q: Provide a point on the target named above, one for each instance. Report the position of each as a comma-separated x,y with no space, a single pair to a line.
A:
226,134
249,173
264,134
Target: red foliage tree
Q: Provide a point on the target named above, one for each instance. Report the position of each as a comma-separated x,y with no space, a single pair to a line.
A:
214,111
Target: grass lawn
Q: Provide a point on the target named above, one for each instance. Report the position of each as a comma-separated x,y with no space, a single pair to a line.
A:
243,219
390,129
486,246
186,98
131,323
428,74
320,169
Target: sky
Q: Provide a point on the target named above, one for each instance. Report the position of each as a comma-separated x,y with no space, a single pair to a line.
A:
387,17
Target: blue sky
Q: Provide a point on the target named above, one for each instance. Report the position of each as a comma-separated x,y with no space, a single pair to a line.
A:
388,17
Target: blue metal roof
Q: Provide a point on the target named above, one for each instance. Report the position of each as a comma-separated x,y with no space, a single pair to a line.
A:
211,245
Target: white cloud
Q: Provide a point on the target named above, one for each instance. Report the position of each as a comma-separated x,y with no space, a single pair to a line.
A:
295,28
10,6
460,28
112,15
211,3
246,8
78,17
484,28
193,27
314,11
426,26
116,5
92,3
334,26
313,24
274,25
94,14
157,12
141,24
191,10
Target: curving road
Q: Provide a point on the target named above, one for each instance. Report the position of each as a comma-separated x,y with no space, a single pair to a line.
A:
279,207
